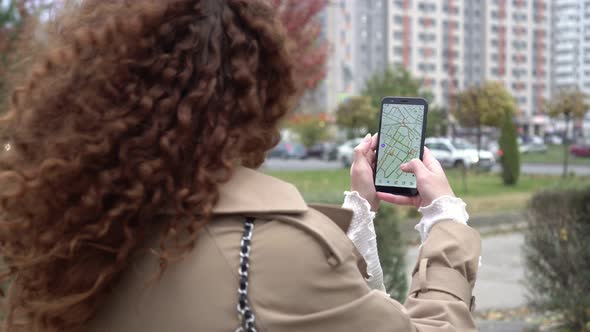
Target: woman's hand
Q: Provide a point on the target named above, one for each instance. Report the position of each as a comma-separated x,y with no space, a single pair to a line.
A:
431,181
361,171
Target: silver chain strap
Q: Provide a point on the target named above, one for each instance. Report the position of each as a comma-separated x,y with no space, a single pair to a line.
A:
245,314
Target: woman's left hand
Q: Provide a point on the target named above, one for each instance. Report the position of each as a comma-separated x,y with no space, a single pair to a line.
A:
361,171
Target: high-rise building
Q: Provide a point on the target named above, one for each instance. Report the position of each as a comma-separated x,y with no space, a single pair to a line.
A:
427,39
449,44
571,52
571,44
356,30
509,42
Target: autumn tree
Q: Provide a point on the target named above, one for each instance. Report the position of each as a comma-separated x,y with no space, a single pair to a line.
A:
569,104
393,81
357,115
310,128
483,105
309,50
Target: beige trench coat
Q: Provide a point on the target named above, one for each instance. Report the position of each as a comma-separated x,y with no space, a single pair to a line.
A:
304,275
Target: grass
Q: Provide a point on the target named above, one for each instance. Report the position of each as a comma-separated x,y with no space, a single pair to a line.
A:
554,155
484,193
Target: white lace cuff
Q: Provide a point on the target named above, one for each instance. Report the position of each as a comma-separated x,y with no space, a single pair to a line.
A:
362,233
442,208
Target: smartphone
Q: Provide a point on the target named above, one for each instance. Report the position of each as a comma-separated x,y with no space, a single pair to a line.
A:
402,127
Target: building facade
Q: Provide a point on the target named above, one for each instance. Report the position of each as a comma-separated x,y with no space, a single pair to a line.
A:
509,42
568,44
427,39
450,45
356,30
571,54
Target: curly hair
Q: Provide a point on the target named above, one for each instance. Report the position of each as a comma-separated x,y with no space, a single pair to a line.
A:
136,107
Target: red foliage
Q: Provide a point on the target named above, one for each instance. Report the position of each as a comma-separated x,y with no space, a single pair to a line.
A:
300,18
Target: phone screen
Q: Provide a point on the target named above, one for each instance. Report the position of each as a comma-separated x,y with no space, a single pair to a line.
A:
400,140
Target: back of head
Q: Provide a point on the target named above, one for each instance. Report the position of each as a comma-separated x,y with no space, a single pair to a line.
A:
135,107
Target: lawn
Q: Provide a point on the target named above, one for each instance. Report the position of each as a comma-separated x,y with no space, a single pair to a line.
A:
484,192
553,155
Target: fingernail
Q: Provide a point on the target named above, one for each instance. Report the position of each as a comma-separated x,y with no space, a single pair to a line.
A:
368,137
402,166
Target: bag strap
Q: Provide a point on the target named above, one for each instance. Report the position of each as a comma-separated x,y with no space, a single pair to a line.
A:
245,314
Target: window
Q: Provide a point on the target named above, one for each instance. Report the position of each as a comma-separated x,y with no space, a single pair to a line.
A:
519,3
427,7
427,22
426,67
398,19
401,3
427,37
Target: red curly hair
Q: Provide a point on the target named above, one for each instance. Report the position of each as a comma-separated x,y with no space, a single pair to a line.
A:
136,107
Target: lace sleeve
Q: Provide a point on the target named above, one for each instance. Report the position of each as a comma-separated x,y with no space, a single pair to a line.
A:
362,234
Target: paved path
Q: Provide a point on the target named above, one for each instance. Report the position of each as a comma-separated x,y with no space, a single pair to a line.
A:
315,164
499,280
488,326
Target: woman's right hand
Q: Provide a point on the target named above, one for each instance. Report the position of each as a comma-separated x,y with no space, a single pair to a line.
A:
431,182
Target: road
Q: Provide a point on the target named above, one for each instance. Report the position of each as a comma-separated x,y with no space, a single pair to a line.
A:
315,164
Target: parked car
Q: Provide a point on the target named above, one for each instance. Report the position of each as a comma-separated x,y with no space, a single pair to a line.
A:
459,153
531,144
323,150
553,139
580,150
288,150
345,151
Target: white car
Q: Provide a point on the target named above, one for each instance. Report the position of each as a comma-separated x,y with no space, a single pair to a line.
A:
534,144
459,153
346,150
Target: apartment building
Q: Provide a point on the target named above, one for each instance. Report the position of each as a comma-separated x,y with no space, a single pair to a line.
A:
515,50
427,39
450,45
356,30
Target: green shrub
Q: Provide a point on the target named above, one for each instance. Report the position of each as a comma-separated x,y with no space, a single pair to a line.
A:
510,159
391,252
557,254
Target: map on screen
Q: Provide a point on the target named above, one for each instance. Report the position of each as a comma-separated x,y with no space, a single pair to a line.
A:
399,142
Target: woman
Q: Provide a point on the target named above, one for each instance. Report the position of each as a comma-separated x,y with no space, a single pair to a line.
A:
130,201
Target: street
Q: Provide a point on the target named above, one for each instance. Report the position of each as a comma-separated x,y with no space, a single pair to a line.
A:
316,164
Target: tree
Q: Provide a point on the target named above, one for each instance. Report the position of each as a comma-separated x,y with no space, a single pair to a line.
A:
510,158
308,48
311,128
483,105
393,81
569,103
437,122
358,115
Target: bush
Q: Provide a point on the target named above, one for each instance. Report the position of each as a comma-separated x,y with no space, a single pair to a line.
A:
557,254
510,159
391,252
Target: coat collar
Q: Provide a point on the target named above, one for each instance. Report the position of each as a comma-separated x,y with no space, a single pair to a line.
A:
250,191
